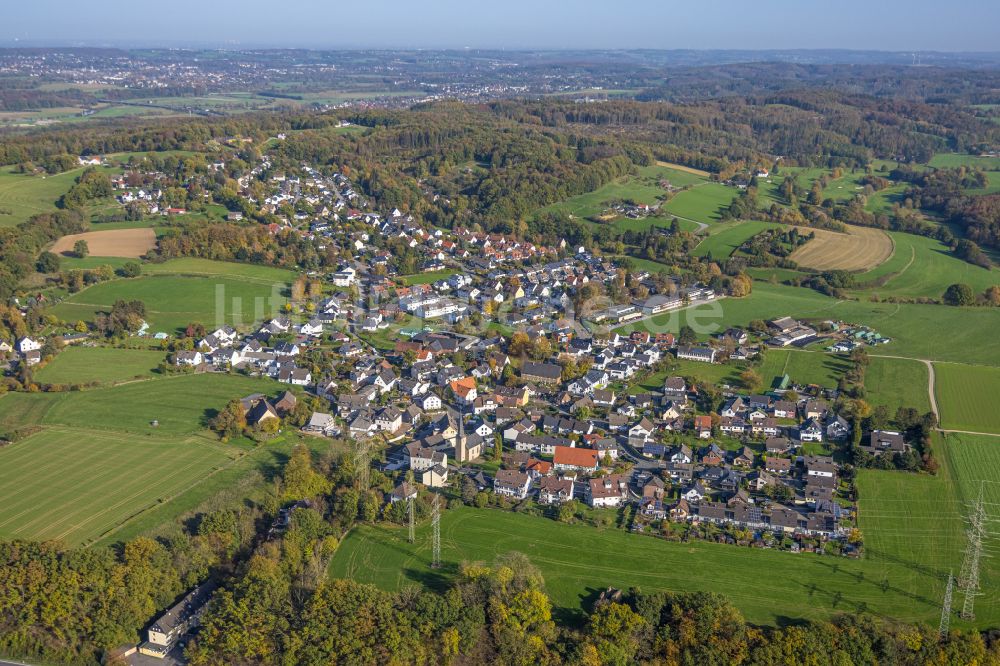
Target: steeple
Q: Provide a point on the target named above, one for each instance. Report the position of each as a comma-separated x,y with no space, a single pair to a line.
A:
461,444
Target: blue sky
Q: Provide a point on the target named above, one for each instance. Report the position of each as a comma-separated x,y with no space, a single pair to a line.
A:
894,25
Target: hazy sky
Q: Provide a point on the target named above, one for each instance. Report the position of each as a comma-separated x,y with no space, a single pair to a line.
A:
955,25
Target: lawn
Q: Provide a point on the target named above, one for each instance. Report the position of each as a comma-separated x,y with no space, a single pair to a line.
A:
173,301
73,485
702,203
968,397
579,561
428,277
723,239
803,367
916,521
714,373
81,365
22,196
923,266
918,331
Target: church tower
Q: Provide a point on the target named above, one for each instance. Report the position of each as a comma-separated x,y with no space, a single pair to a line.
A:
462,442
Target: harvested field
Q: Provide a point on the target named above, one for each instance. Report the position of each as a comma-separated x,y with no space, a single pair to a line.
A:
116,243
859,249
681,167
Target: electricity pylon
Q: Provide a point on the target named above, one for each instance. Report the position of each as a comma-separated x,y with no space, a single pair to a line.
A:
946,608
436,526
968,579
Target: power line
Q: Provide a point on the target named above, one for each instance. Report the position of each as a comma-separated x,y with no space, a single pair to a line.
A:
410,511
946,608
436,528
968,580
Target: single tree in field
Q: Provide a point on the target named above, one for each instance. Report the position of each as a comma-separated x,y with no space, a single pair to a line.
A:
81,249
959,294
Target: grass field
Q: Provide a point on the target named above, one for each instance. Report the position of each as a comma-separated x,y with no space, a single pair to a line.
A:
702,203
96,461
81,365
918,331
580,561
181,403
724,238
803,367
968,397
22,196
896,383
916,521
428,277
858,249
193,266
924,267
173,301
71,484
715,373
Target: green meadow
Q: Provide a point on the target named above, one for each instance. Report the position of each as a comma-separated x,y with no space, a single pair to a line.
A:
22,196
82,365
923,267
96,462
918,331
968,397
724,238
173,301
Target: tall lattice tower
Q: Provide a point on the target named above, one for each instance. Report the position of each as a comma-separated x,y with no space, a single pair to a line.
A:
946,607
436,528
968,579
412,522
363,463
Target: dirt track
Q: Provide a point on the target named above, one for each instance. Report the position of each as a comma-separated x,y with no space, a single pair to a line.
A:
860,249
116,243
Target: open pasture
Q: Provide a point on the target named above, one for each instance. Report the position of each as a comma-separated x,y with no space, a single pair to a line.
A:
968,397
923,267
22,196
895,383
803,367
82,365
918,331
173,301
578,561
723,239
859,248
74,485
916,521
702,203
131,243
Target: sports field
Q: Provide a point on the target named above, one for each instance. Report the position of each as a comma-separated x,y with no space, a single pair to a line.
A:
924,267
578,561
724,238
82,365
173,301
968,397
803,367
114,243
859,249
